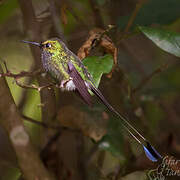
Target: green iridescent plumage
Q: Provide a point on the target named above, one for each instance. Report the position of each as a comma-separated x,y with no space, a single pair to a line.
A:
55,58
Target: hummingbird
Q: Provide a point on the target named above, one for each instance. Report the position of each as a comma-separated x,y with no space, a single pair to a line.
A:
70,73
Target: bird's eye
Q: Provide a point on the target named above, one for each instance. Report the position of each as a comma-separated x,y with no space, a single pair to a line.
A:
48,45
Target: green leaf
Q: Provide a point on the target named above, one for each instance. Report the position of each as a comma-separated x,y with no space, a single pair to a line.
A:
154,11
166,40
97,66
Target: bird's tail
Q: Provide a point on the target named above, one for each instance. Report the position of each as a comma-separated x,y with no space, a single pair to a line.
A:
149,150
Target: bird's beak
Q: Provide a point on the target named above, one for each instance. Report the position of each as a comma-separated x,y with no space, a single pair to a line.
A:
33,43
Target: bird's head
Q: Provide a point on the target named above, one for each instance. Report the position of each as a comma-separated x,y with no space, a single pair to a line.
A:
51,46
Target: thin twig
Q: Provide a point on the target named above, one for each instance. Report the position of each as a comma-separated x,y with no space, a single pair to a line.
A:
102,34
148,78
53,139
139,4
24,94
96,13
56,20
33,86
45,125
25,74
91,153
78,19
21,74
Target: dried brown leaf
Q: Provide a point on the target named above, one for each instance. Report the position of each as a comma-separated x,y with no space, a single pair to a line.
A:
96,37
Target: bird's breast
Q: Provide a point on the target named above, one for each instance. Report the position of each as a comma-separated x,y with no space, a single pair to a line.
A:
50,66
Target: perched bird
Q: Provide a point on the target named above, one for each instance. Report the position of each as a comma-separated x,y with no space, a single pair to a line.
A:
71,74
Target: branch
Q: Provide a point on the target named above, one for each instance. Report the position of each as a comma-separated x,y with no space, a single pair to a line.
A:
19,75
45,125
12,123
24,94
33,86
96,13
33,28
44,152
134,14
101,36
148,78
25,74
56,20
139,4
77,18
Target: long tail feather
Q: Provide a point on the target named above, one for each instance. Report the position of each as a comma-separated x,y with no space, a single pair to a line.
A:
150,151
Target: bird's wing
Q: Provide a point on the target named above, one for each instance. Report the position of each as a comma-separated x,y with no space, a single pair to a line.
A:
79,83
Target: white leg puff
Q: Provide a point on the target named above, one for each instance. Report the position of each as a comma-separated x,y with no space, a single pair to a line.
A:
67,85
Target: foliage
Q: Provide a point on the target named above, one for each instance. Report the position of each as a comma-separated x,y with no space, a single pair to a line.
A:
166,40
154,11
97,66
